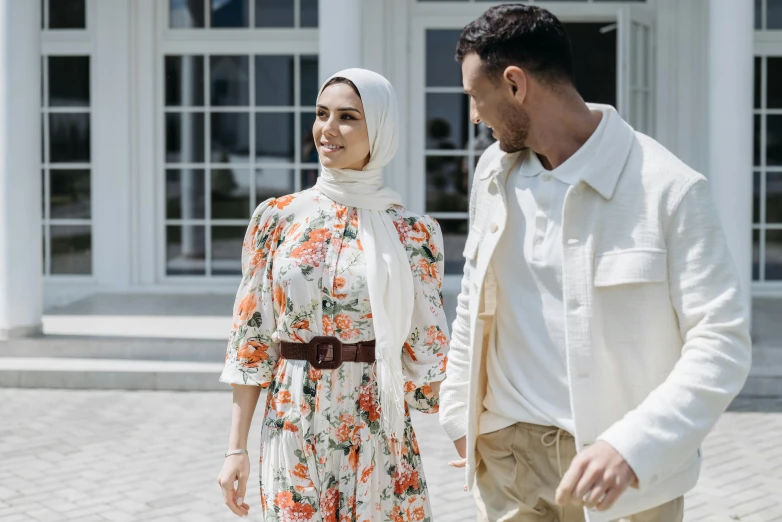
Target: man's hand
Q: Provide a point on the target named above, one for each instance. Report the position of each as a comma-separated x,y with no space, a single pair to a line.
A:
461,449
596,478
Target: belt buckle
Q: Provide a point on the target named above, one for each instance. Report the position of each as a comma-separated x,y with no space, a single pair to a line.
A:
336,350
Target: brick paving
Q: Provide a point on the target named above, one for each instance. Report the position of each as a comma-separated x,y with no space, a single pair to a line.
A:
97,456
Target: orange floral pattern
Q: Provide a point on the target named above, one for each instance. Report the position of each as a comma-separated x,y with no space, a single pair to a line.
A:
324,454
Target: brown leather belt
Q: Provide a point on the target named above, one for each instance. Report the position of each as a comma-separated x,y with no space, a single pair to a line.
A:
328,353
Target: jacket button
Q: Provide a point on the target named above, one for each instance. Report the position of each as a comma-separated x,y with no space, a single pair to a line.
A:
493,228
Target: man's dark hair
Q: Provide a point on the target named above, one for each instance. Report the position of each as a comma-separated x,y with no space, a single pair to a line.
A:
525,36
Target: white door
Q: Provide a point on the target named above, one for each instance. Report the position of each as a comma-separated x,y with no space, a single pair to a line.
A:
445,146
635,56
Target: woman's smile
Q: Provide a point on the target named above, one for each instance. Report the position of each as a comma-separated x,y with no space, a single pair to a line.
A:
330,148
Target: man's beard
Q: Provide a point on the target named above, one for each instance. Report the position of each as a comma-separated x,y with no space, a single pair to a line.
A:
514,129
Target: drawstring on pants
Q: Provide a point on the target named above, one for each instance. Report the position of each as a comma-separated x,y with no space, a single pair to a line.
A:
557,434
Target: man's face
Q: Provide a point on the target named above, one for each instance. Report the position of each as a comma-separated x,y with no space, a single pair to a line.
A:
492,101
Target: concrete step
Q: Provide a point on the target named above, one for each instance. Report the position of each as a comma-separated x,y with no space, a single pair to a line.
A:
88,347
766,356
765,378
80,373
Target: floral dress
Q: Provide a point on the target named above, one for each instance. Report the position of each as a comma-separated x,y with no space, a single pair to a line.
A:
324,456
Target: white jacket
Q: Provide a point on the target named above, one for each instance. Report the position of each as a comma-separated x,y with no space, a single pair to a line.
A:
657,332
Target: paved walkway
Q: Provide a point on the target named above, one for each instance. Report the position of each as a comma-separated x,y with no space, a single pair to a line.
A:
96,456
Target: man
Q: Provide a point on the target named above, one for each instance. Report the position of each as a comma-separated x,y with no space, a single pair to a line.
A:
600,328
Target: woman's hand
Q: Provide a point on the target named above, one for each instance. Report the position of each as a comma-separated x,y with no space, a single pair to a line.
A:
235,468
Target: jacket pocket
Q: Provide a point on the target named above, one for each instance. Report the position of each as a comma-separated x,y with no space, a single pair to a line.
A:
637,265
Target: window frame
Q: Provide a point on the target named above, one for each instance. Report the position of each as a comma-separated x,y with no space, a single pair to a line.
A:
67,43
208,42
767,45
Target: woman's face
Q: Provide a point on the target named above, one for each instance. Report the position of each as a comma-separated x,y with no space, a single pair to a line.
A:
340,129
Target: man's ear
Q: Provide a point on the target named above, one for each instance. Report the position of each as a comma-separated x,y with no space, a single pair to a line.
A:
517,80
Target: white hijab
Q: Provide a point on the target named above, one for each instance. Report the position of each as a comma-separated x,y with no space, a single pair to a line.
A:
389,278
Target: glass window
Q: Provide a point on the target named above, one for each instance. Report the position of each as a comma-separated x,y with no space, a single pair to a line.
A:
69,194
594,61
184,135
242,14
758,14
185,189
774,140
69,81
774,82
71,249
65,14
184,81
447,116
185,250
442,70
309,154
758,70
767,175
229,151
756,255
274,137
230,141
230,13
226,249
274,80
66,157
274,13
774,198
756,197
768,14
773,258
309,13
186,14
230,193
309,81
69,137
774,14
447,184
230,80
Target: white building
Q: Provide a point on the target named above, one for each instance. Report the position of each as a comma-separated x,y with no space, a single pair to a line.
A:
159,124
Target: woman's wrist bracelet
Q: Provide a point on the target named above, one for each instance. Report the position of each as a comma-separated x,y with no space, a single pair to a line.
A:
236,452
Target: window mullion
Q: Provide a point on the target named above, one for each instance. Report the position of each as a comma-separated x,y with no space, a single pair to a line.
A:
208,166
297,122
253,153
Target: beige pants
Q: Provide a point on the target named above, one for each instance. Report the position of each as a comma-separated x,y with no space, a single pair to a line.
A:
520,471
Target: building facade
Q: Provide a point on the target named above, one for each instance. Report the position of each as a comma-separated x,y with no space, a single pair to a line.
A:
160,124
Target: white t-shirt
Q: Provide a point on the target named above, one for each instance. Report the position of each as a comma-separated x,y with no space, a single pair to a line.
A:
527,362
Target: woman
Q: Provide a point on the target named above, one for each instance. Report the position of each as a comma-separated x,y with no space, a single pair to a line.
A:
339,315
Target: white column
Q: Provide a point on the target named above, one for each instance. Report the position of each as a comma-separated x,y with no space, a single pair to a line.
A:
340,36
730,130
21,280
